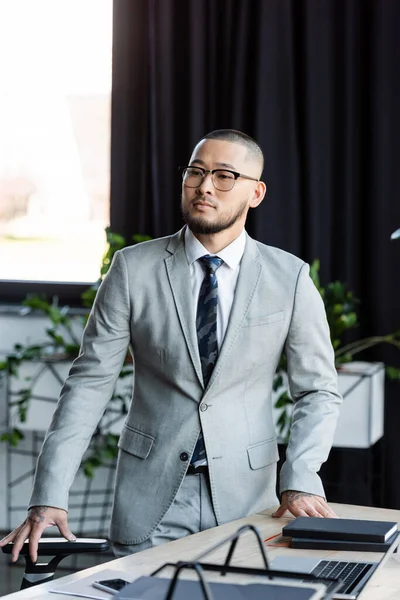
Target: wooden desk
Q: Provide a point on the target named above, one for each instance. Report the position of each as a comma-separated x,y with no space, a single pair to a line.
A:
384,585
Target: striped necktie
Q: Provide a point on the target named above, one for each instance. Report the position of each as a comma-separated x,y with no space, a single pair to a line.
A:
206,325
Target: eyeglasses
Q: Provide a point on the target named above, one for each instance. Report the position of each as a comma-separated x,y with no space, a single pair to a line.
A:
223,180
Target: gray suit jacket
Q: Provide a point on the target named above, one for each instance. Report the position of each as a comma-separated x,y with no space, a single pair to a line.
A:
145,302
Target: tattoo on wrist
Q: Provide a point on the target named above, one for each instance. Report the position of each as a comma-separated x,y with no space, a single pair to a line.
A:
36,514
293,495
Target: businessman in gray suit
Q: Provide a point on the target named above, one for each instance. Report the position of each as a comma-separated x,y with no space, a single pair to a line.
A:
206,313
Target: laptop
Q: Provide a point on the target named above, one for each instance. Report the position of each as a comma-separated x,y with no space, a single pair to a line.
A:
354,575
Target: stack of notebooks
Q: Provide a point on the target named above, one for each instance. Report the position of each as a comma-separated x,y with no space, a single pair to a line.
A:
341,534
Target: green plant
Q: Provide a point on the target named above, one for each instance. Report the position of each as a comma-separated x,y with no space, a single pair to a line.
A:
341,310
62,344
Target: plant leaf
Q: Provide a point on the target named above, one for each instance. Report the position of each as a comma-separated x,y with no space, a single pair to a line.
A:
393,373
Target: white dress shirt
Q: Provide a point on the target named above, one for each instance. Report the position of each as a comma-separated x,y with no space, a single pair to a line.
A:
227,275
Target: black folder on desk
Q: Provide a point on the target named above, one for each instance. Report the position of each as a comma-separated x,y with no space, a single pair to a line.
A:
156,588
340,529
319,544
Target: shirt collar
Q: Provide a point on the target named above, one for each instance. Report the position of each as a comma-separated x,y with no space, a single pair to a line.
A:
231,255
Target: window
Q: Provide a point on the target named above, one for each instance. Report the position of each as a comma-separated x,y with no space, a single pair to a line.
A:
55,95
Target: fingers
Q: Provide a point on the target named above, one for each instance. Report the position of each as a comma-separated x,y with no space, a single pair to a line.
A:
65,530
19,540
43,517
312,509
301,509
299,512
36,534
312,506
302,504
10,537
39,518
18,536
34,538
280,512
325,510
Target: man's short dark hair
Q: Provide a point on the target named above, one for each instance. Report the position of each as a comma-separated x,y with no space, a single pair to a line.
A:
238,137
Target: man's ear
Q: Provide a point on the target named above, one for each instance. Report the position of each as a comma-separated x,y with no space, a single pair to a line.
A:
259,192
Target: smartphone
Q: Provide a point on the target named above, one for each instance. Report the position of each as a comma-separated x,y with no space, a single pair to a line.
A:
113,586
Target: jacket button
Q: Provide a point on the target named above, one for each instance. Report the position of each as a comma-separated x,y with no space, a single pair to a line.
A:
184,456
203,407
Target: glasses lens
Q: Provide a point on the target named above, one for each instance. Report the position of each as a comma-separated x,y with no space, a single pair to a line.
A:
223,180
192,177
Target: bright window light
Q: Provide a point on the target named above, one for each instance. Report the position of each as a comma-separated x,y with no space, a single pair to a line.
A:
55,91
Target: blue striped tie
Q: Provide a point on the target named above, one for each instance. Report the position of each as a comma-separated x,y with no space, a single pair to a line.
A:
206,325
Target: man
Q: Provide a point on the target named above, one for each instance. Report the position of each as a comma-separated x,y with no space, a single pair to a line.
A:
207,313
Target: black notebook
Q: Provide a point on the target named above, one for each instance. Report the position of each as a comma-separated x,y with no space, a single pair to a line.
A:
340,529
326,544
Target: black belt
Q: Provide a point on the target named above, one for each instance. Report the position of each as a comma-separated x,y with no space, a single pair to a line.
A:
192,470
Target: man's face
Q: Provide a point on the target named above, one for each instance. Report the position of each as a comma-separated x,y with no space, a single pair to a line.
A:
207,210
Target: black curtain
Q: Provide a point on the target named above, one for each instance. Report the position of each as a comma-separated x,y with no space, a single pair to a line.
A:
317,83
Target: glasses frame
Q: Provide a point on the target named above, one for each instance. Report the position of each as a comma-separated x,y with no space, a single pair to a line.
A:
212,171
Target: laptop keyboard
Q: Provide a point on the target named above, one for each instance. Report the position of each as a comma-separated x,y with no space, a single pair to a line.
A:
350,573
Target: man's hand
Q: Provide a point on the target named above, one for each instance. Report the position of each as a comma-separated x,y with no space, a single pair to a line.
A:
302,504
38,519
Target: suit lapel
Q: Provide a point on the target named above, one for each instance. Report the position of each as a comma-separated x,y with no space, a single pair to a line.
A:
178,272
249,275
